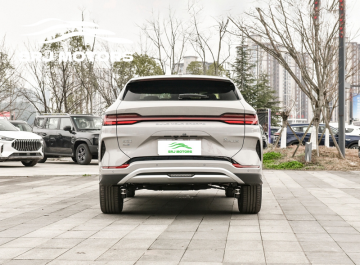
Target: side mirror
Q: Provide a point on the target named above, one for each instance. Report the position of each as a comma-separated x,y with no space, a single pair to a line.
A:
67,128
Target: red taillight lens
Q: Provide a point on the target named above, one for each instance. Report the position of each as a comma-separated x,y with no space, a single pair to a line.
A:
277,133
251,119
244,166
121,119
116,167
247,119
110,119
233,118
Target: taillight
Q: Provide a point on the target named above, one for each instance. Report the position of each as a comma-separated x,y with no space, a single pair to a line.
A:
247,119
251,119
277,134
110,120
121,119
230,118
244,166
117,167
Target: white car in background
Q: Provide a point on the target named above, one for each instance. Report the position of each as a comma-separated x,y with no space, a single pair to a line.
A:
352,130
16,145
349,129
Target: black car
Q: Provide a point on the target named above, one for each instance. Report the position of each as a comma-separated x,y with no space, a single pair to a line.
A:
22,125
351,141
69,135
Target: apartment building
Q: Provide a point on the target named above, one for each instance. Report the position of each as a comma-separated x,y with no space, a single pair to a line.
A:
181,67
285,87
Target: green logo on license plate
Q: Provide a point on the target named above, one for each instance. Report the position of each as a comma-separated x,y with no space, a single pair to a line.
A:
176,145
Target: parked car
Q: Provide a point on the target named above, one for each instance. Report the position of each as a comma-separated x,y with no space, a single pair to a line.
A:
22,125
180,133
264,138
351,141
16,145
350,129
69,135
273,130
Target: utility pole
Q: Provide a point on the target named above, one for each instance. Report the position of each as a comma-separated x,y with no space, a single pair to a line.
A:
342,56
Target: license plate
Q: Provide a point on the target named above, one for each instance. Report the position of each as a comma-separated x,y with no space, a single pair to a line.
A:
175,147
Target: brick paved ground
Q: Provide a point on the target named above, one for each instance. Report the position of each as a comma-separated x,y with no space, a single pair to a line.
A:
307,217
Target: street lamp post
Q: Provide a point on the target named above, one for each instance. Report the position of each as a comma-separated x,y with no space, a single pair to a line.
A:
342,50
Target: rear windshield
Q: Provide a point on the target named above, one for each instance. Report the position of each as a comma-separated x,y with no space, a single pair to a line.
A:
180,90
87,122
23,127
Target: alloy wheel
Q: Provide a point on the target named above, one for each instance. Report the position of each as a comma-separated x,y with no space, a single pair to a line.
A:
81,154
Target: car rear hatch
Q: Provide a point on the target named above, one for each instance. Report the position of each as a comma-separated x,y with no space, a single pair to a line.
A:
180,118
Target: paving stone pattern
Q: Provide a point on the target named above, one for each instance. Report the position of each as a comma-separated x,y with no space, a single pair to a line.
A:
306,218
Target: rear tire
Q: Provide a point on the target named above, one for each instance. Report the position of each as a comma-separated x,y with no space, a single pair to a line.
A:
110,199
250,199
83,155
293,143
43,160
354,146
130,193
229,192
29,163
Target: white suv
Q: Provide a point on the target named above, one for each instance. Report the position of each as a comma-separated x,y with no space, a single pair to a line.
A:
180,133
16,145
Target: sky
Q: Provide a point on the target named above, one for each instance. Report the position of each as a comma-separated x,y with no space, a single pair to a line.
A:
120,16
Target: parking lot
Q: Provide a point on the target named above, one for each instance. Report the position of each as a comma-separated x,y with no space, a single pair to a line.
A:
57,167
307,217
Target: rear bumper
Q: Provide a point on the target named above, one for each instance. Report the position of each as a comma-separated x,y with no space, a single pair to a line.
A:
157,172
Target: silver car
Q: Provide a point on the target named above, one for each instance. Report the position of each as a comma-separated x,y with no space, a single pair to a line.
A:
180,133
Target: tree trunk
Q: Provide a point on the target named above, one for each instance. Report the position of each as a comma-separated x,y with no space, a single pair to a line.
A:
332,135
316,122
284,117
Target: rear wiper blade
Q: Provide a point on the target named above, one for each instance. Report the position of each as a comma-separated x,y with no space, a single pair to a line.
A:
189,95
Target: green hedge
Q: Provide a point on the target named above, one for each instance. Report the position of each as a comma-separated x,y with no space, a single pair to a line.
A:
270,162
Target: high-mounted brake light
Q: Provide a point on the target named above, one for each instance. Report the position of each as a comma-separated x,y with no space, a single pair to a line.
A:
230,118
117,167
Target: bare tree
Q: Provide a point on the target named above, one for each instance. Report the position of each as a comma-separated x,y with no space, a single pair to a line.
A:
198,39
210,41
9,79
290,27
169,37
